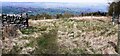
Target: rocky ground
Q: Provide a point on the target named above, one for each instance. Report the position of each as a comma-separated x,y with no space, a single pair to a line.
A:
78,35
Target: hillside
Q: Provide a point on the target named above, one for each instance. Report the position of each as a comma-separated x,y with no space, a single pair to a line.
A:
51,7
78,35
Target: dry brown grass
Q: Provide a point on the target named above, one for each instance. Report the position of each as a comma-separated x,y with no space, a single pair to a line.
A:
80,35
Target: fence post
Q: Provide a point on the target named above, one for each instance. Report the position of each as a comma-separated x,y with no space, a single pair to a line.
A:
44,18
118,43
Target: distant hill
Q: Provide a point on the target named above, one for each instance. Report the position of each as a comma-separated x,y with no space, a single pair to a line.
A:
51,7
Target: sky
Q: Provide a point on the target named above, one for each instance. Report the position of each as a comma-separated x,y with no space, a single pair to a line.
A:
78,1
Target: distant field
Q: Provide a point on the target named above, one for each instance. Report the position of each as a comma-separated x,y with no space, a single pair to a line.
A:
92,18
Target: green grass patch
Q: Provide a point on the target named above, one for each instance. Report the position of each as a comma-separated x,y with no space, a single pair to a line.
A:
79,50
29,30
47,43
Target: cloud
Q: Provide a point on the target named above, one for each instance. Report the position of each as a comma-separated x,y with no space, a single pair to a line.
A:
79,1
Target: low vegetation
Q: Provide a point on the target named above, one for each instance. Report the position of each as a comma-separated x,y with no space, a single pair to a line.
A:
68,36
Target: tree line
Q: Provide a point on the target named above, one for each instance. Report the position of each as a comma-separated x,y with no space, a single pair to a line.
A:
98,13
65,15
48,16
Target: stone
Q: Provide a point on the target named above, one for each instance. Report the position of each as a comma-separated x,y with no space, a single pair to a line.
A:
14,19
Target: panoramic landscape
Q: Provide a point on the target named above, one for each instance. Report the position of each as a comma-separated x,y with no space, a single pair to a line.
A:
45,27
